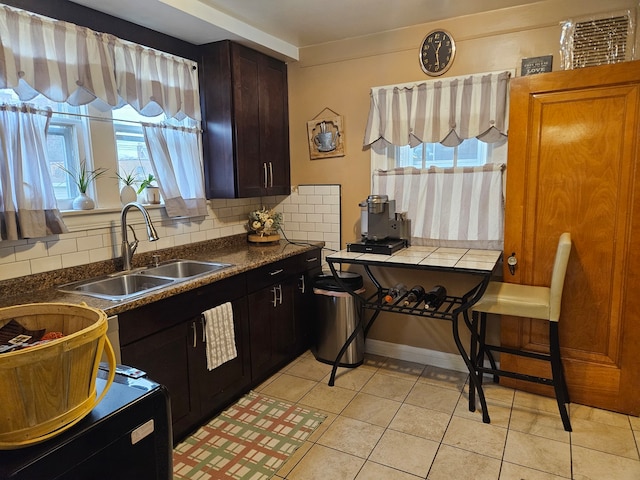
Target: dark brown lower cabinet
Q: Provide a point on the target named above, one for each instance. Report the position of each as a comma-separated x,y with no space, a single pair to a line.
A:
273,321
166,340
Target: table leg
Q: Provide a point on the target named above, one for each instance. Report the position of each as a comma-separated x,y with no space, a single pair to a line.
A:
474,383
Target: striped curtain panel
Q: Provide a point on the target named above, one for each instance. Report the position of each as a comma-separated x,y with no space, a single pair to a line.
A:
72,64
452,207
445,111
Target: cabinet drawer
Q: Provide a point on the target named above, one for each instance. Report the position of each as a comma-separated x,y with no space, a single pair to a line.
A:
310,260
149,319
274,272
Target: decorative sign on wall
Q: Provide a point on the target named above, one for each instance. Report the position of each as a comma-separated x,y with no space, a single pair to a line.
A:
533,65
325,134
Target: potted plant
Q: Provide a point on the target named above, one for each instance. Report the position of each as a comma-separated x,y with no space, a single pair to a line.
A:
82,178
127,192
152,191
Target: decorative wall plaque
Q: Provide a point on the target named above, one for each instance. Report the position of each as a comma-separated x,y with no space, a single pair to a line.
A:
533,65
326,136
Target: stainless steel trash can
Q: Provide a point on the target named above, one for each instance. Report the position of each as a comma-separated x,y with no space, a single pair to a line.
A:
337,316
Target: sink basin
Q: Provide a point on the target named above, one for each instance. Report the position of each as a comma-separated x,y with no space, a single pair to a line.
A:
184,268
119,287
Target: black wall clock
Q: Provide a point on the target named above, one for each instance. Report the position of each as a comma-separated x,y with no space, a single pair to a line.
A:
436,52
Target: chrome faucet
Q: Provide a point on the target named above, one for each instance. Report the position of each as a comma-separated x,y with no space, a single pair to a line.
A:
128,249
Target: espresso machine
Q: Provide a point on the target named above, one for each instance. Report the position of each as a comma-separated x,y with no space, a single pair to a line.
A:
384,230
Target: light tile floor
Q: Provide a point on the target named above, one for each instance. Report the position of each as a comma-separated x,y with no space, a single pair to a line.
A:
395,420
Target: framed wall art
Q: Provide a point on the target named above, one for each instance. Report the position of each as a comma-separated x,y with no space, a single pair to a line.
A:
325,134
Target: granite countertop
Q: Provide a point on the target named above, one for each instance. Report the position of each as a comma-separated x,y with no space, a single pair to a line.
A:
243,256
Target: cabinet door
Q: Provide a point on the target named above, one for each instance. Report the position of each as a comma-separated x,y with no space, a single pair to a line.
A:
573,156
274,125
251,170
164,356
304,310
270,327
214,389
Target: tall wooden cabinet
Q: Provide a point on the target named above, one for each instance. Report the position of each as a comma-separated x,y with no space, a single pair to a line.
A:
246,122
574,149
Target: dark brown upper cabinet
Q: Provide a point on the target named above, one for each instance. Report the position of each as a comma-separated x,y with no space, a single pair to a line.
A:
245,121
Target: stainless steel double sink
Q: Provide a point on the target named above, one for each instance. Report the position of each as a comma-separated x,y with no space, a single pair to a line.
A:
125,285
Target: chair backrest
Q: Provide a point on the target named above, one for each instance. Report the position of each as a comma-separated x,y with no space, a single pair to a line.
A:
557,277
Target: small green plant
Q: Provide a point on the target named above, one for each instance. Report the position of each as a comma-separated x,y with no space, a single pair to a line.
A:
147,182
82,177
128,178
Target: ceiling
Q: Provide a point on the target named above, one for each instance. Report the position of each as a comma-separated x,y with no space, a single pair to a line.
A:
285,26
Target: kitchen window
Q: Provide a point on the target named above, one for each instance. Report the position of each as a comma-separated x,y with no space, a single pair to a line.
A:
102,74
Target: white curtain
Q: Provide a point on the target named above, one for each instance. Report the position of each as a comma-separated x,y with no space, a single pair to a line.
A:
443,111
73,64
175,155
455,207
28,206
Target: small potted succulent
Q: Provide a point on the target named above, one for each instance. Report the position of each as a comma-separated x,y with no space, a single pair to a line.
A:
82,178
152,190
127,192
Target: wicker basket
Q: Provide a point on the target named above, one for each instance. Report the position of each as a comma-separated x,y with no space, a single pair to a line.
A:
47,388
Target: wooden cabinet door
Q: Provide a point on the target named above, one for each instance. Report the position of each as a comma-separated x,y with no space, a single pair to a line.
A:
251,171
573,166
274,125
164,356
214,389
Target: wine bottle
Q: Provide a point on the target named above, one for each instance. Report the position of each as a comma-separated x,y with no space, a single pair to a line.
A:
434,297
395,293
415,295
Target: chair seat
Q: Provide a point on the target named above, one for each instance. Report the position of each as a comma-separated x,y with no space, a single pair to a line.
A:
517,300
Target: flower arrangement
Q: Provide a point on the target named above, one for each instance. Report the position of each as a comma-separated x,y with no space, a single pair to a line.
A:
264,221
82,177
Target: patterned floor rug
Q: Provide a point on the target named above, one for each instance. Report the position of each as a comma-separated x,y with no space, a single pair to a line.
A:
248,441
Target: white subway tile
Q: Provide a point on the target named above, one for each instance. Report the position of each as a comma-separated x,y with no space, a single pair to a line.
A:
198,237
7,255
62,246
322,208
315,217
45,264
316,236
330,218
293,208
307,209
15,270
30,251
322,190
75,259
331,200
306,189
315,199
298,217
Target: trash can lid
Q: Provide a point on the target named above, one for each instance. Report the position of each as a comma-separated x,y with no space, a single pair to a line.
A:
326,281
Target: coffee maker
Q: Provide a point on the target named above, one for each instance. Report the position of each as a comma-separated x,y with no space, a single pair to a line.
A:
383,230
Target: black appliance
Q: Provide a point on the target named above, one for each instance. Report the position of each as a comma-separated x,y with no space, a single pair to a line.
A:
126,436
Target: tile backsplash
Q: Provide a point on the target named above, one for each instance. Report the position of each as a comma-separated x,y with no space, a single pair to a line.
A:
311,212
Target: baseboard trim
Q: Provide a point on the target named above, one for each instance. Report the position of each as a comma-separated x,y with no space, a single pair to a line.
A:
451,361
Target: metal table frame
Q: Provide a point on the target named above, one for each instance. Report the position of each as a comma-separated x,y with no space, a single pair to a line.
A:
451,309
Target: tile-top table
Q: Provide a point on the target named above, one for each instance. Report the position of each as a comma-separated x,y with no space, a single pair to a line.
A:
476,262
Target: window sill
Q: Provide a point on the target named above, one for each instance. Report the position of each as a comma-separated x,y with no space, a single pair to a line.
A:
80,220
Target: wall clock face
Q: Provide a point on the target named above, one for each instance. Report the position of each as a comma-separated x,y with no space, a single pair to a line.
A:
437,52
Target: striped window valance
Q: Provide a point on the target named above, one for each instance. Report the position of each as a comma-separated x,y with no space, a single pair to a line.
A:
445,111
450,207
71,64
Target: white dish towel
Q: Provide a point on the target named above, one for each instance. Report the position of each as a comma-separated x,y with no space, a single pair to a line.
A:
219,335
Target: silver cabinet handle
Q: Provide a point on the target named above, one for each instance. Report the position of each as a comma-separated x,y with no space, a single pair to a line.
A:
276,272
271,173
193,328
303,285
280,294
313,259
204,335
274,290
264,167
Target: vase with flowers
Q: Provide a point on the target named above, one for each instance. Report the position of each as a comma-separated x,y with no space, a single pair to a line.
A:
264,225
